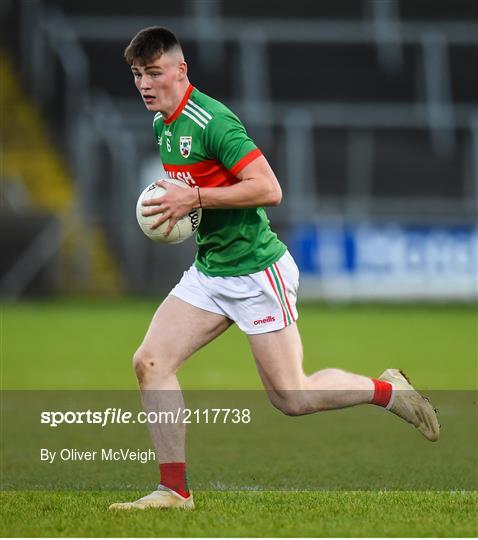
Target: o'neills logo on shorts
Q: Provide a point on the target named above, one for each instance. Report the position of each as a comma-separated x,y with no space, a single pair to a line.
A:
268,319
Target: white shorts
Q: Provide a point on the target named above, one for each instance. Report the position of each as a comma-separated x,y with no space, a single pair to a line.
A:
258,303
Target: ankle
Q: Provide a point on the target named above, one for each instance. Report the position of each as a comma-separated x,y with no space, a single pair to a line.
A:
382,395
173,476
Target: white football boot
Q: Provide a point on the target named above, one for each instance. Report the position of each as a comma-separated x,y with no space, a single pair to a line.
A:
163,497
407,403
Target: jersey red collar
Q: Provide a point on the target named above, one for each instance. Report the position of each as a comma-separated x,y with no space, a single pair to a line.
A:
181,106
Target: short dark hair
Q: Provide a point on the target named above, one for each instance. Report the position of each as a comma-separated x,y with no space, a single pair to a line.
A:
149,44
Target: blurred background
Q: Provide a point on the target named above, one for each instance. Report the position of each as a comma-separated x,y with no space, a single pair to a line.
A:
366,109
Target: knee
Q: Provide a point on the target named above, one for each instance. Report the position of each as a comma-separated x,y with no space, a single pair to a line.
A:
291,409
291,404
148,364
143,362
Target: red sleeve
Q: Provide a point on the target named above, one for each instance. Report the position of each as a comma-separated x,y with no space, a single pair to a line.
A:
248,158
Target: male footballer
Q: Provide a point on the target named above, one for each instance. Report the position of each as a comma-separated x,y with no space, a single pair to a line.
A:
242,272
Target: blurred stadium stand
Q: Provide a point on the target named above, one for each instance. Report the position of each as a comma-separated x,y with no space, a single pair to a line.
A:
367,110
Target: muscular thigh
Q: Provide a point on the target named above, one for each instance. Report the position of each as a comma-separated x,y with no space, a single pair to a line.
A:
278,356
179,329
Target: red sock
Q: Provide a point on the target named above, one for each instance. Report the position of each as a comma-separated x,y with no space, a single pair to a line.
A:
173,476
382,394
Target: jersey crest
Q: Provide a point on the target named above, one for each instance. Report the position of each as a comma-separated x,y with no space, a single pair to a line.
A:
185,144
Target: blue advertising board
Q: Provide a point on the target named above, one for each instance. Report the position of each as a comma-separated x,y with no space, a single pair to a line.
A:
387,260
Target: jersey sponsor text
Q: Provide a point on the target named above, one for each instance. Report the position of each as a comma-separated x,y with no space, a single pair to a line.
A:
185,176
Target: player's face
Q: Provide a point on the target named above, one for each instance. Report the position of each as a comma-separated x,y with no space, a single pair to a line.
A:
158,82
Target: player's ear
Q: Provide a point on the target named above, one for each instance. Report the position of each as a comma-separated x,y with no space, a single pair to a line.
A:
182,70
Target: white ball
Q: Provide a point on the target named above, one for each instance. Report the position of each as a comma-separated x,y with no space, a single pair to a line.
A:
183,229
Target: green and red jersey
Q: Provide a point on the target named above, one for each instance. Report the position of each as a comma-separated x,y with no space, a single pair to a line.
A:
205,144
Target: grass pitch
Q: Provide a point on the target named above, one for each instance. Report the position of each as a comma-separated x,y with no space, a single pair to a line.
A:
237,514
88,345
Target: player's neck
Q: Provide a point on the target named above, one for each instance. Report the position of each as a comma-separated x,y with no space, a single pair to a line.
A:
182,89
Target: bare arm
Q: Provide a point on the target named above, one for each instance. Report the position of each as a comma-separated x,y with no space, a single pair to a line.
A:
258,187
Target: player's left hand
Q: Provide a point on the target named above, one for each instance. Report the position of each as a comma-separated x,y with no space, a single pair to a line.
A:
173,205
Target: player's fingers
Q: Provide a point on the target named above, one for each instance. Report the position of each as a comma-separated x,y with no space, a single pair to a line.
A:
161,219
172,223
151,211
153,202
162,183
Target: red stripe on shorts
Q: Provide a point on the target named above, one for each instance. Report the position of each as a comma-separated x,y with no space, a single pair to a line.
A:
269,277
276,266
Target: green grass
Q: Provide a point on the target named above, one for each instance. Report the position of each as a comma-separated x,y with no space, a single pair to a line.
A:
89,344
236,514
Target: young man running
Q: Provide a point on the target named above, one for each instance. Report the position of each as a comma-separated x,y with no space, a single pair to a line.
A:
242,272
